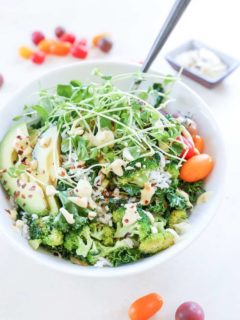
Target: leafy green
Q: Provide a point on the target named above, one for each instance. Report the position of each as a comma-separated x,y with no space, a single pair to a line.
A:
64,90
42,112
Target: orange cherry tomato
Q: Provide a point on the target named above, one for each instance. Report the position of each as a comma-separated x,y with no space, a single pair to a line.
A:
45,45
59,48
196,168
199,143
191,126
25,52
97,38
145,307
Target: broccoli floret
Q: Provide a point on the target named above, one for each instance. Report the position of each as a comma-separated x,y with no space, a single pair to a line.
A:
143,225
159,204
53,239
177,199
71,241
96,252
118,214
118,254
84,242
142,168
173,169
177,216
43,229
123,255
79,242
156,242
141,228
102,233
193,189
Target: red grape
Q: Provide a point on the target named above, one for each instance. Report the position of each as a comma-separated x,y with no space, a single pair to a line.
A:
105,44
59,31
37,37
189,311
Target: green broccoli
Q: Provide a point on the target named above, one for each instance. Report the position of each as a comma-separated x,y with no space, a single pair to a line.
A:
177,199
118,254
78,242
141,169
96,252
173,169
156,242
42,229
158,204
102,233
84,242
193,189
123,255
71,241
118,214
53,239
141,228
177,216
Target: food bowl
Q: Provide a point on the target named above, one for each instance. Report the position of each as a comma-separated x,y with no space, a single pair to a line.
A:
185,100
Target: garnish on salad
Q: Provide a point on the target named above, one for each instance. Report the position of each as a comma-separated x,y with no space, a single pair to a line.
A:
101,176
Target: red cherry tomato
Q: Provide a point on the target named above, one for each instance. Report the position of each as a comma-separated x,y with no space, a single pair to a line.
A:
199,143
37,37
189,311
196,168
188,150
59,31
68,37
79,51
38,57
145,307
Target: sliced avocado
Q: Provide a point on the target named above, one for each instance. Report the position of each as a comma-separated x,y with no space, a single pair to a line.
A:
48,158
26,193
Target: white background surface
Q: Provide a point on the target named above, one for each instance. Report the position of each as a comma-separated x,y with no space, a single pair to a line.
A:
208,271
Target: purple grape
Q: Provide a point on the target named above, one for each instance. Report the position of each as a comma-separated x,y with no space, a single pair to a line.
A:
105,44
189,311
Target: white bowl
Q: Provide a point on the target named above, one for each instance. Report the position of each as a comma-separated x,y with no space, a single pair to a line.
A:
186,100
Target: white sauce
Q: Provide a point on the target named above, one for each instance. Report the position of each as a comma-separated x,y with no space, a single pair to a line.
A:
83,189
117,167
146,194
131,215
67,215
203,61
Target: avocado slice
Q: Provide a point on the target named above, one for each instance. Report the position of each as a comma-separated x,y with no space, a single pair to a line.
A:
26,192
47,154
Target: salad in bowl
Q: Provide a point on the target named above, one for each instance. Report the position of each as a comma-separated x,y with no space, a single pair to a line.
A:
103,176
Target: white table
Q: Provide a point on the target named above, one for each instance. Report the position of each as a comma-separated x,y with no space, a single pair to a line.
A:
208,271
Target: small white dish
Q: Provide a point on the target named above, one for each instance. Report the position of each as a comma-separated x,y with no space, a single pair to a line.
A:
187,101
